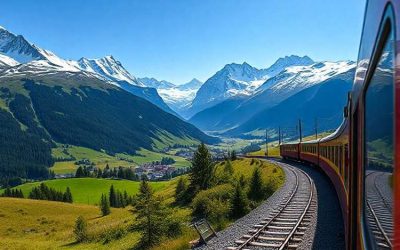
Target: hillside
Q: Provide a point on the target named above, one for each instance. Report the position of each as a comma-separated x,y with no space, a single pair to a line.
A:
38,224
324,101
24,225
72,108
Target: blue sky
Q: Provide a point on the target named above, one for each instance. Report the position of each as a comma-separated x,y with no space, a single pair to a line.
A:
177,40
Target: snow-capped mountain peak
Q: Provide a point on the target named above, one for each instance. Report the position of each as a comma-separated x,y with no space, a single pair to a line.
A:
109,68
18,48
154,83
193,84
300,77
284,62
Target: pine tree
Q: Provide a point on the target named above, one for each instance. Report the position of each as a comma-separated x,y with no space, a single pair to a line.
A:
21,195
242,181
150,217
7,192
113,197
256,186
104,205
233,155
202,169
180,190
79,172
228,169
80,229
126,198
121,201
99,173
67,197
240,203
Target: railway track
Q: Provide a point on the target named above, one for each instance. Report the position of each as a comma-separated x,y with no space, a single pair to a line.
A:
379,213
286,225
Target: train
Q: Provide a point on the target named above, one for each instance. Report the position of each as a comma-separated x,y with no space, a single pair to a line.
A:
362,157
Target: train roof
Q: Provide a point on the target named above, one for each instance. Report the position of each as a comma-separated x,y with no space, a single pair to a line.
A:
337,132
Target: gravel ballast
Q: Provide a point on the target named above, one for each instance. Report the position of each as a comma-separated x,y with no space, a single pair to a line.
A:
329,233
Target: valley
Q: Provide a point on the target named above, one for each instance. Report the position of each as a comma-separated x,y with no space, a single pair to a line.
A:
88,151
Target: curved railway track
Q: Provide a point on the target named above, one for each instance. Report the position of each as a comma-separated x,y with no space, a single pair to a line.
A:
379,213
285,227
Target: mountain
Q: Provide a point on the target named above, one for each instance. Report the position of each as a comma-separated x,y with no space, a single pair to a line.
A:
210,118
178,97
154,83
37,111
7,62
287,61
32,58
239,80
193,84
109,68
45,100
323,101
273,91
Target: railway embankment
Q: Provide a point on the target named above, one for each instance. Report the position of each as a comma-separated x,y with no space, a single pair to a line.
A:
263,214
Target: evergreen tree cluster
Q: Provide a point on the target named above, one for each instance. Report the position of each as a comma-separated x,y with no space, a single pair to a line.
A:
24,153
119,199
43,192
167,161
118,173
16,193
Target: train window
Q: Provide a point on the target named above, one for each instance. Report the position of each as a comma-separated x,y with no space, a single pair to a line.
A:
346,162
378,155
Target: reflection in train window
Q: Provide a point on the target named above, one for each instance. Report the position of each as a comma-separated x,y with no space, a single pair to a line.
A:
378,219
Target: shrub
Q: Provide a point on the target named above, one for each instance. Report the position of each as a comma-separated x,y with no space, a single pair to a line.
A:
80,229
213,203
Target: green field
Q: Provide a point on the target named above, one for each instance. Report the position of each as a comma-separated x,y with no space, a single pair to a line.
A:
89,190
36,224
68,153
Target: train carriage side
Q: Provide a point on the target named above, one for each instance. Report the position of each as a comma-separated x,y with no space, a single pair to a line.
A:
309,152
290,151
375,140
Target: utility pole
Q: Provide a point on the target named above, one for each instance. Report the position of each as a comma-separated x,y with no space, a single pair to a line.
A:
316,128
300,135
279,135
266,142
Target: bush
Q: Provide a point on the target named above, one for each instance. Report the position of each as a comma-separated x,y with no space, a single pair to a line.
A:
80,229
113,234
213,203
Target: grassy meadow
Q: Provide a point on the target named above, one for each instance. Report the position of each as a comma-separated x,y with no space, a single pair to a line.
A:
67,155
35,224
89,190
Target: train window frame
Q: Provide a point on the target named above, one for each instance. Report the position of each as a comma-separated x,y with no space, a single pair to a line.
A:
386,31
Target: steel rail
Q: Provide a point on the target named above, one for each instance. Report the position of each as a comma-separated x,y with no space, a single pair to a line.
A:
256,234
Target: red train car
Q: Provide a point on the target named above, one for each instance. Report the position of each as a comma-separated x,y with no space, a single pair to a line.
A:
362,157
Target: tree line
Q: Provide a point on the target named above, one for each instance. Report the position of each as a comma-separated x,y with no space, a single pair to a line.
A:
43,192
16,193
